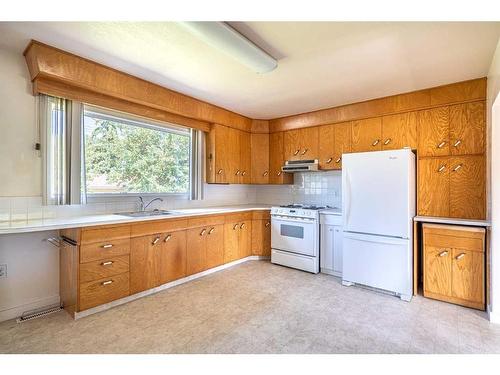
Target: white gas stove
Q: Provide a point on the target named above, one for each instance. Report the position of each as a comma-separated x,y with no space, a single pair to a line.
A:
295,236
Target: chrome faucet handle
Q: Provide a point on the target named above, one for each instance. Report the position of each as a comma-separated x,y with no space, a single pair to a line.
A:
141,204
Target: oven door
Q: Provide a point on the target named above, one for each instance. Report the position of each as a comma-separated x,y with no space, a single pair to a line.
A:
294,235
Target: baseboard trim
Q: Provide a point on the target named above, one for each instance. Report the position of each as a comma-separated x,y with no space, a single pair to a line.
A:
494,317
121,301
17,311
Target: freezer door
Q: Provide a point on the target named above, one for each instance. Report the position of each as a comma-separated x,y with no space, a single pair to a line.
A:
379,262
378,192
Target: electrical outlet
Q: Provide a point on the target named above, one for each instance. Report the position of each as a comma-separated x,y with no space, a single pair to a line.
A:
3,271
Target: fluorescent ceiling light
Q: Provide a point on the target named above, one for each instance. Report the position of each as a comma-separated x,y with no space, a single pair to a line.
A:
223,37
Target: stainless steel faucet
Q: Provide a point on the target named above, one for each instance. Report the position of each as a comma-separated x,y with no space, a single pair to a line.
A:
144,206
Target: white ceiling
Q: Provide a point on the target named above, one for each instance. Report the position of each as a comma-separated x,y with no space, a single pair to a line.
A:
321,64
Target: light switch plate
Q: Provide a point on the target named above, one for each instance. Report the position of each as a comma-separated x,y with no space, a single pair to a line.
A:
3,271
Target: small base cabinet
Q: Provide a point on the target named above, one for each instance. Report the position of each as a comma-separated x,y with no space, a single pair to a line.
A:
261,233
330,258
454,264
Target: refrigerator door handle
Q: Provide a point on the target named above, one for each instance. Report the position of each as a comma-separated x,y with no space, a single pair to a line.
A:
375,239
347,199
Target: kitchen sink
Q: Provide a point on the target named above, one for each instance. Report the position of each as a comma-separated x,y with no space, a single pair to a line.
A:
146,213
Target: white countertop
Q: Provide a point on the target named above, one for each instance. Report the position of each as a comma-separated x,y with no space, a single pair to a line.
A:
331,211
10,227
447,220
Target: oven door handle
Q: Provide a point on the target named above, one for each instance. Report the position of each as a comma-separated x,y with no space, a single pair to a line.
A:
290,220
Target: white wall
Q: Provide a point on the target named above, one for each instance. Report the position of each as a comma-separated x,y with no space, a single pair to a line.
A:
493,121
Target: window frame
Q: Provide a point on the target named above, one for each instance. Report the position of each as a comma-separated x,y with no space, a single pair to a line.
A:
132,120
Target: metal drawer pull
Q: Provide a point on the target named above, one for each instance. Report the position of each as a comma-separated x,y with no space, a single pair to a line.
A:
441,144
278,173
444,253
442,168
305,150
155,241
237,172
242,225
375,142
387,141
203,231
236,226
169,236
211,230
460,256
219,171
267,224
457,143
107,282
107,246
265,173
457,167
338,160
108,263
329,161
243,173
296,152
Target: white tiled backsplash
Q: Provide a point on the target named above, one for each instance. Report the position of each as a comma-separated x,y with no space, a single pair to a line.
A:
322,188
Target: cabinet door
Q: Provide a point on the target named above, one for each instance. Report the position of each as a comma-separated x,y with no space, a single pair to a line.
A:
245,239
468,275
367,134
196,255
308,143
337,249
224,152
215,246
231,241
291,145
261,237
276,160
173,257
467,187
399,131
266,241
433,132
233,142
326,146
437,270
434,187
245,167
260,158
144,262
342,145
326,247
467,128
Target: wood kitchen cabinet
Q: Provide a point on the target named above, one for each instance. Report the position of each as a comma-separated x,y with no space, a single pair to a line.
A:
454,264
467,128
244,169
399,131
205,247
452,187
342,142
215,246
223,154
261,233
291,145
433,126
367,135
237,237
260,158
277,160
301,144
326,144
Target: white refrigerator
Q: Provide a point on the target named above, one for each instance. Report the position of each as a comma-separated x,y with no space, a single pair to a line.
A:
378,201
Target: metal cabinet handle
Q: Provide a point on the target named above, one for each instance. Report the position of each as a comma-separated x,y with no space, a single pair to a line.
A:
375,142
304,152
442,168
265,173
211,230
203,231
237,172
236,226
104,283
329,161
155,241
267,224
458,141
108,263
460,256
242,225
296,152
243,173
107,246
387,141
219,171
441,145
169,236
338,160
457,168
444,253
278,173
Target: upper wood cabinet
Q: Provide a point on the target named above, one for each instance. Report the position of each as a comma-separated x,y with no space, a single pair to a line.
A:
223,155
277,160
301,144
399,131
326,144
433,186
467,128
260,158
291,145
244,169
367,135
433,132
342,142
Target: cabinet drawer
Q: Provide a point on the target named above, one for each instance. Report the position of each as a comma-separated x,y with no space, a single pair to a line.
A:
455,242
103,268
154,227
104,234
242,216
203,221
261,215
98,292
104,249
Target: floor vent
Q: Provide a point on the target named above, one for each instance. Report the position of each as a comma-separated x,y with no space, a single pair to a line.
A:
39,313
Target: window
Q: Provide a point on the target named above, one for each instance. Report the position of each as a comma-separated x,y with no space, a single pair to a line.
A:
127,155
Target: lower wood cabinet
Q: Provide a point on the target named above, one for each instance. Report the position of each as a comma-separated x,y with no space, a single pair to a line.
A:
205,248
237,237
454,264
261,233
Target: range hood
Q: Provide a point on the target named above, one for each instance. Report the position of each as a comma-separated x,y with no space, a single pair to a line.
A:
292,166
